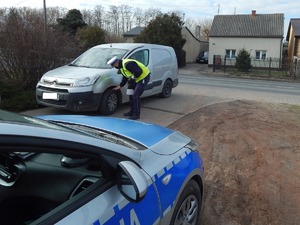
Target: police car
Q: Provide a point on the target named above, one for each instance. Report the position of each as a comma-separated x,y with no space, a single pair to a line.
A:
75,169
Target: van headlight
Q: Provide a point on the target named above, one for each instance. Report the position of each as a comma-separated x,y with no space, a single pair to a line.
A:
41,81
85,81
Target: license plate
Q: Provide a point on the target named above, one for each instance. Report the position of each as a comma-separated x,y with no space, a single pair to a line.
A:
53,96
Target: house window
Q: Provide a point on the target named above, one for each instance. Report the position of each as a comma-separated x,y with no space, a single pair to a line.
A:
260,54
230,54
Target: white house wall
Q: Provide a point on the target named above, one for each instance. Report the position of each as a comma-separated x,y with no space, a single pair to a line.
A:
129,39
218,45
192,46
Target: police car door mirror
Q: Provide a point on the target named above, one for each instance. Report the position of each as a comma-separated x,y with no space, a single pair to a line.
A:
131,181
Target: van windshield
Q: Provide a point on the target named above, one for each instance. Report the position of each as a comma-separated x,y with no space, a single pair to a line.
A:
98,57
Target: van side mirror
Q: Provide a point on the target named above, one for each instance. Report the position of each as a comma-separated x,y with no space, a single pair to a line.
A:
131,181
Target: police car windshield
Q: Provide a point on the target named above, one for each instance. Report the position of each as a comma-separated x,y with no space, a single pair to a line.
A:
104,135
14,118
98,57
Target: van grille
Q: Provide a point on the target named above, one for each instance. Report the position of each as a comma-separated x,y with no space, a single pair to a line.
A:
57,84
42,88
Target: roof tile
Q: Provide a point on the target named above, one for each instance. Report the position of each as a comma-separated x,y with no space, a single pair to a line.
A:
260,25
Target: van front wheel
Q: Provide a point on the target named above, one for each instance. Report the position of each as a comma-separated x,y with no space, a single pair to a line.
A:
167,89
109,102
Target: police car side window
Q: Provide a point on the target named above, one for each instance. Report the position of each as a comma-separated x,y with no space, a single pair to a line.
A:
35,183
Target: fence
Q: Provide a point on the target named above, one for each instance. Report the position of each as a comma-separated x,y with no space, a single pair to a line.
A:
266,67
294,68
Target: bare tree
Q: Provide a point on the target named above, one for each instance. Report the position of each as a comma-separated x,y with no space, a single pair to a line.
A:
151,14
191,24
53,13
205,28
126,14
200,28
107,23
28,50
99,16
3,11
87,16
114,18
139,16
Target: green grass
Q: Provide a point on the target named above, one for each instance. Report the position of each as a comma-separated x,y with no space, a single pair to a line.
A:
294,108
279,74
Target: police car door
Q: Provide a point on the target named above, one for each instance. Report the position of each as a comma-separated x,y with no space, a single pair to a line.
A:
117,206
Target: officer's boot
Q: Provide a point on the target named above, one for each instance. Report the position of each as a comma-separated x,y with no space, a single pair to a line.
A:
130,113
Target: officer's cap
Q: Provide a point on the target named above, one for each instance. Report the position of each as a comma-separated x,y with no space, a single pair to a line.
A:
112,61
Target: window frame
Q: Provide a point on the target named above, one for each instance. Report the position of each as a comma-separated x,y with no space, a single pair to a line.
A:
145,56
262,54
232,53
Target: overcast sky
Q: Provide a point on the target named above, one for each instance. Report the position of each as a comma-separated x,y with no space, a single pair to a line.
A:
195,9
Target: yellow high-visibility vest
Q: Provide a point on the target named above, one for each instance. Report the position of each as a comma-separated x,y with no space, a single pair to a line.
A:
128,74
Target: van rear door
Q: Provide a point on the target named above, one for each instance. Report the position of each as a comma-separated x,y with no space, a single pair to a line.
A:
162,66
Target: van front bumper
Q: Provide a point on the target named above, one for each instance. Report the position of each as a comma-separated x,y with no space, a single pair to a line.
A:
80,101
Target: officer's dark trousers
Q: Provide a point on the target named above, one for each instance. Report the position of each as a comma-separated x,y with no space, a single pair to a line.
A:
135,99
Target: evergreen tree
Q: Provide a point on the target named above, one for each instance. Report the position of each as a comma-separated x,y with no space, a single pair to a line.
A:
243,61
72,21
90,36
165,30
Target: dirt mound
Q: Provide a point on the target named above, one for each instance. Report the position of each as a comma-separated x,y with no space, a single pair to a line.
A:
251,154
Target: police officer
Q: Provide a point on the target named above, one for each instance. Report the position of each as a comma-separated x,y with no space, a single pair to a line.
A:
137,75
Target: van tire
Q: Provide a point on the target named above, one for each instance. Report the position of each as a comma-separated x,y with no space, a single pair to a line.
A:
109,102
167,89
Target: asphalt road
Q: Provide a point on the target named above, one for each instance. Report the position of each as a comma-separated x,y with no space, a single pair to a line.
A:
199,87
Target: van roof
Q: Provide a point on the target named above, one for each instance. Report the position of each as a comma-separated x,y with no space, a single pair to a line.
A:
130,46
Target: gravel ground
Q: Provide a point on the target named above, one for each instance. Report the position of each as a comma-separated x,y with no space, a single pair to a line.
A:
251,153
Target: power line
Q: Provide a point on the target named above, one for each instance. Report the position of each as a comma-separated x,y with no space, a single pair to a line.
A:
21,2
148,4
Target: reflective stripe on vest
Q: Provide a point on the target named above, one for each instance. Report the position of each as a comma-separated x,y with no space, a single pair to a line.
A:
128,74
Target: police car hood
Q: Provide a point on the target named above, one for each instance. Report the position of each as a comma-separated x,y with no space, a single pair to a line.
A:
158,139
73,72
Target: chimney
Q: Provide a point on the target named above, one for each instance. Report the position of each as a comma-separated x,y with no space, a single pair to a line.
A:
253,12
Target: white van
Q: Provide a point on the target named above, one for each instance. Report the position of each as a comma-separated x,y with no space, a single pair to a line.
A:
86,83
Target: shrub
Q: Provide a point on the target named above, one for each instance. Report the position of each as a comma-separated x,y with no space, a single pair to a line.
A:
29,48
14,98
90,36
243,61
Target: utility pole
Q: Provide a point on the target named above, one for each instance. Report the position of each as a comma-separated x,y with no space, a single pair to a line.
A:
218,8
45,14
45,23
